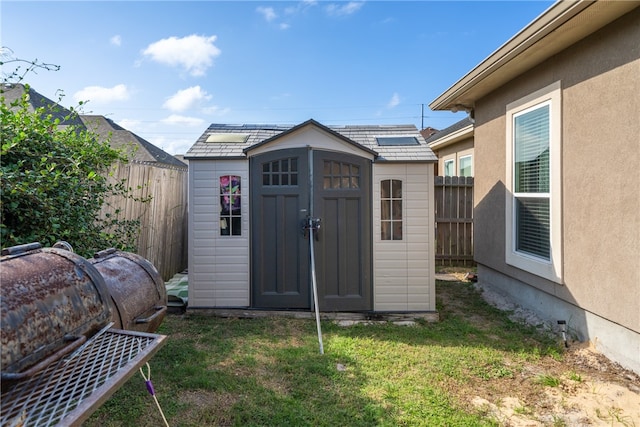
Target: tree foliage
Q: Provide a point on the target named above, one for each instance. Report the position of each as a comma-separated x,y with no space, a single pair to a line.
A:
54,182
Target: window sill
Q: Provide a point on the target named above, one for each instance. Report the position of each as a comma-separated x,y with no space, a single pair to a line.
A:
536,266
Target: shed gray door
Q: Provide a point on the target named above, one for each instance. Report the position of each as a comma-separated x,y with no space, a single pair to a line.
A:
281,201
279,251
342,189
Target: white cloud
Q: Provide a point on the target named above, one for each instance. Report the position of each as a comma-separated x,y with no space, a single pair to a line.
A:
394,101
102,95
214,110
130,124
176,119
300,7
116,40
268,13
194,53
186,98
174,145
281,96
346,9
290,13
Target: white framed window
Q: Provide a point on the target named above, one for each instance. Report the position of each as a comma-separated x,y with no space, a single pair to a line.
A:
391,209
230,205
449,167
533,203
466,166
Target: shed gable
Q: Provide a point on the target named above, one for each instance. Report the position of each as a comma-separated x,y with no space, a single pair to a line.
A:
313,137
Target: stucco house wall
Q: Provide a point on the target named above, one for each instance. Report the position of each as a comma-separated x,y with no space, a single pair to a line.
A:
453,143
601,219
461,149
597,285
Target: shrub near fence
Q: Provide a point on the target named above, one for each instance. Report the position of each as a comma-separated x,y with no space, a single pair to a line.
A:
454,220
163,227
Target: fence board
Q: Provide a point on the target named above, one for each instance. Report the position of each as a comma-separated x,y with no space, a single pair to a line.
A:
163,221
454,220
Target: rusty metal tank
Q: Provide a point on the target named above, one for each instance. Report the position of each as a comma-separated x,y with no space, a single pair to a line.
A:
51,301
138,292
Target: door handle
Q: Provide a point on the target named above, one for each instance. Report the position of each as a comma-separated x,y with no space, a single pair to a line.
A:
312,224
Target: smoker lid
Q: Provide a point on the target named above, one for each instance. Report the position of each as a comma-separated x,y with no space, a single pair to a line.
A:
69,391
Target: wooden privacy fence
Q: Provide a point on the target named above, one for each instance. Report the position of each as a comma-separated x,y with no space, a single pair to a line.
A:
454,220
163,221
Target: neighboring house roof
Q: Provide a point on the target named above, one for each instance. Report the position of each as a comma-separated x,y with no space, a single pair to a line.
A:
428,131
534,44
145,152
14,91
454,133
120,138
240,139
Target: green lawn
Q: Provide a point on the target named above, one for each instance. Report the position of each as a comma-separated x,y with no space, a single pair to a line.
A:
268,372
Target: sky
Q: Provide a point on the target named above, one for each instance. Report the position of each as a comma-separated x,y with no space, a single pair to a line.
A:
166,70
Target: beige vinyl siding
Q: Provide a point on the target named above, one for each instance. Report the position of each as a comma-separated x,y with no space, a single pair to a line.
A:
218,265
403,270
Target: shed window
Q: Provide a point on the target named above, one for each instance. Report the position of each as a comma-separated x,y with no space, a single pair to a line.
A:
339,175
230,206
391,209
282,172
533,212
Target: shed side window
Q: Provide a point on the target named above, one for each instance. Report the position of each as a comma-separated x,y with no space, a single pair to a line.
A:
391,209
230,206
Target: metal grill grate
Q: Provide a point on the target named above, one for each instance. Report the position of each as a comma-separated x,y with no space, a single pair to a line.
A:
67,392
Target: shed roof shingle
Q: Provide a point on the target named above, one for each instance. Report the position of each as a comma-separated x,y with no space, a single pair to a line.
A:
360,135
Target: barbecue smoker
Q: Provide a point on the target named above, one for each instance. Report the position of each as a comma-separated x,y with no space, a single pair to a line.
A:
73,329
138,294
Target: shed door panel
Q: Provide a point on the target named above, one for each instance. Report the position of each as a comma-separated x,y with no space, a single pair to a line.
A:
342,187
280,253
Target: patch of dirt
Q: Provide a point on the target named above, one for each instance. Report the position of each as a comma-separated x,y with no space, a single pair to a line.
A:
583,389
590,391
458,273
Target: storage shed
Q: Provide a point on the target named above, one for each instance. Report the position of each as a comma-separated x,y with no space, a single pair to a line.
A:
253,189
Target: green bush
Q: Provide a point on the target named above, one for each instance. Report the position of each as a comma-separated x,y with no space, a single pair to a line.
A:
53,182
